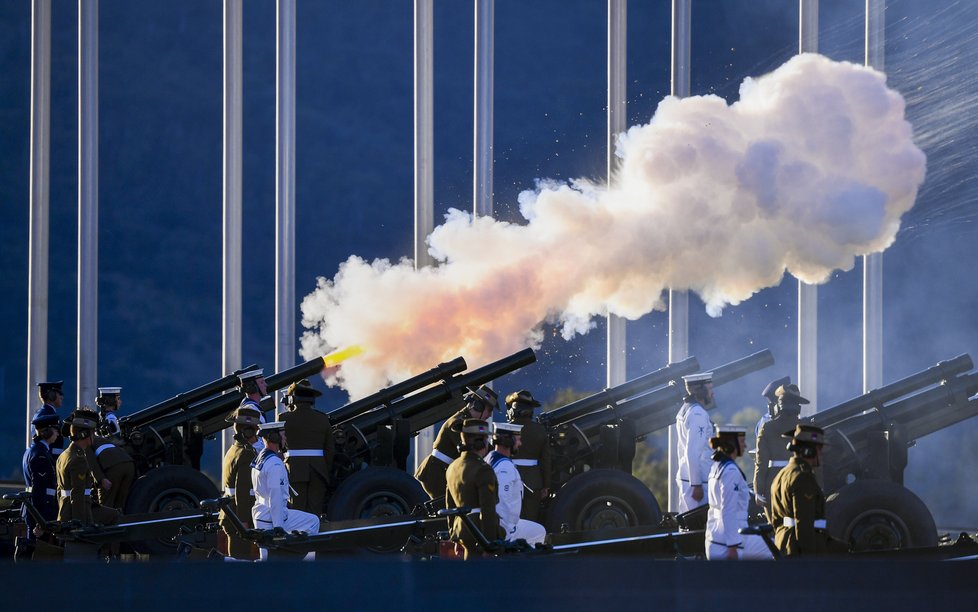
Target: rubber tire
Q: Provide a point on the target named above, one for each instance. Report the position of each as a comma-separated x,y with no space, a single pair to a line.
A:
168,487
878,514
628,500
375,492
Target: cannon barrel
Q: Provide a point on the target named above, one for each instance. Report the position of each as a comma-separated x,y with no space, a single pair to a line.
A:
389,394
905,386
856,443
657,409
213,410
917,416
182,400
613,395
432,405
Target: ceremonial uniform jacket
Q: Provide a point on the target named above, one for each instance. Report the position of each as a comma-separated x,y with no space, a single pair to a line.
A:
311,444
772,451
58,445
270,480
110,424
254,405
798,510
693,431
472,483
728,496
534,462
510,490
108,454
75,483
431,472
236,478
40,478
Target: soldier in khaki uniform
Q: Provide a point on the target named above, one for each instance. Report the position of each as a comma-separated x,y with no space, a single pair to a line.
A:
472,483
236,479
797,502
533,462
75,477
772,454
118,468
479,404
309,458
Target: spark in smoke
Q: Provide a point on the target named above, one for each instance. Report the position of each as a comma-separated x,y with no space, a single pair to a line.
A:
813,166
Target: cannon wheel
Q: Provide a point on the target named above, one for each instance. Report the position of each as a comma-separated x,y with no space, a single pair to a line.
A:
600,499
166,488
376,492
879,515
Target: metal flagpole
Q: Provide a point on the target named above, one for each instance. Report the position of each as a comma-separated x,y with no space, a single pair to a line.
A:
873,263
232,285
617,118
482,183
678,300
285,188
424,209
87,349
808,294
37,294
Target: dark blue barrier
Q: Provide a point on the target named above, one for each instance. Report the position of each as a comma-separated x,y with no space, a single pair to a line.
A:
371,583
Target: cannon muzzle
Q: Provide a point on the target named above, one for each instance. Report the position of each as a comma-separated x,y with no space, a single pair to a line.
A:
209,415
933,375
432,405
386,396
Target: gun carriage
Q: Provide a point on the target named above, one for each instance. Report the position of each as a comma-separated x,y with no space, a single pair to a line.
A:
593,448
868,439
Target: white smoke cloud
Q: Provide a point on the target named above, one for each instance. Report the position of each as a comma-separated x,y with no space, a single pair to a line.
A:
812,167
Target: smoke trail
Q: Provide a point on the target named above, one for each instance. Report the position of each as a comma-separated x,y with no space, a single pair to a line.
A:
813,166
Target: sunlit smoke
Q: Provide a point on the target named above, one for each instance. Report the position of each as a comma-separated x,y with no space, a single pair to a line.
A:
813,166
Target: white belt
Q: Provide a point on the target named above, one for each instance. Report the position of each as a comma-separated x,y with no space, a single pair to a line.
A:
67,494
475,511
51,492
437,454
818,524
525,462
229,491
98,451
773,463
303,453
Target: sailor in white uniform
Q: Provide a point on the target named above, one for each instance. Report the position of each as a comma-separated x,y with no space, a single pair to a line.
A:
270,480
693,431
728,497
109,400
506,438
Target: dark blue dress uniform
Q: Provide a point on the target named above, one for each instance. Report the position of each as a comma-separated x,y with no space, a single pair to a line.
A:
47,413
41,480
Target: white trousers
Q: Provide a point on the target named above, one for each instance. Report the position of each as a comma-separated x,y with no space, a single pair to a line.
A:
753,547
686,501
533,533
295,520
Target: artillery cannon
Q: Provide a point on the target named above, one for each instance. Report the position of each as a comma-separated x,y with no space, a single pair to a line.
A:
166,441
592,453
868,438
372,442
